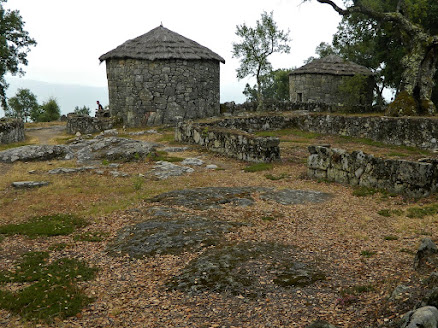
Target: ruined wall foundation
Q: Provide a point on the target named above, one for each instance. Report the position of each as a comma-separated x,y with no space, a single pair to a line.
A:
11,130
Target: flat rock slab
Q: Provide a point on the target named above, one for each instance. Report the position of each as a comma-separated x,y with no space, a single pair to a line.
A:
293,197
169,235
164,170
29,184
215,197
68,170
111,148
210,197
35,153
248,268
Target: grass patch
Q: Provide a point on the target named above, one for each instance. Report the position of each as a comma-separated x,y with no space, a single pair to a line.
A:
367,253
95,236
385,213
58,247
396,154
167,138
268,218
388,213
390,237
53,292
421,212
276,177
14,145
138,182
364,191
50,225
258,167
163,156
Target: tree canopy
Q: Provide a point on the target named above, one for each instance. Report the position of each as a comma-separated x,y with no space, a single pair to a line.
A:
14,46
49,111
397,39
256,45
22,104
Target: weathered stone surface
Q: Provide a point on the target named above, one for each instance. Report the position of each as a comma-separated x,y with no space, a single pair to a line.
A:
111,148
211,197
248,269
86,124
164,170
425,317
67,170
169,234
427,249
215,197
232,143
291,197
11,130
192,162
35,153
321,324
29,184
414,179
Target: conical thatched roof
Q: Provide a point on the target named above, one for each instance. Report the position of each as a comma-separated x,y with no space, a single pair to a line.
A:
161,43
333,65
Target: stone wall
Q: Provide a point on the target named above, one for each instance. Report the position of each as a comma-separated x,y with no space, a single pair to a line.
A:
420,132
145,92
413,179
232,143
11,130
324,88
87,124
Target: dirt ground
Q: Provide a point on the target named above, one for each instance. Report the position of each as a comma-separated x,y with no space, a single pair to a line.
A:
345,237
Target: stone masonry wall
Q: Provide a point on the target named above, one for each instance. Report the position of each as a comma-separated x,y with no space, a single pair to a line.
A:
232,143
420,132
145,92
11,130
87,124
413,179
322,88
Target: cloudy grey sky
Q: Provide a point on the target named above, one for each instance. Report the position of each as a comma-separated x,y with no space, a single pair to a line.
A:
71,35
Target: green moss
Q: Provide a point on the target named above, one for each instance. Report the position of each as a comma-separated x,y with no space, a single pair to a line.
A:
403,105
53,294
276,177
364,191
421,212
367,253
258,167
391,237
51,225
163,156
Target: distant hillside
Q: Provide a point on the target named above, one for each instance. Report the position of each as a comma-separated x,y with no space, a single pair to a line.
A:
68,95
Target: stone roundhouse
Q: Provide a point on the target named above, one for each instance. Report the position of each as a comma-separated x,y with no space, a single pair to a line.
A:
320,81
161,75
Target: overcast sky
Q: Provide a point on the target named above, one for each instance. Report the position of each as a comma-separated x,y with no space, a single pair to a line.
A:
71,35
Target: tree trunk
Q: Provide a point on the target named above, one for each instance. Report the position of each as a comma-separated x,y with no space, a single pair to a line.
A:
260,105
417,78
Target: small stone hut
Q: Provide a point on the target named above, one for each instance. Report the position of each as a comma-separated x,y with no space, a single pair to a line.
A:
322,81
161,75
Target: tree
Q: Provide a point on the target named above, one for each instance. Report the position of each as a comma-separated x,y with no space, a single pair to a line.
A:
419,39
274,86
14,46
256,45
21,105
82,111
49,111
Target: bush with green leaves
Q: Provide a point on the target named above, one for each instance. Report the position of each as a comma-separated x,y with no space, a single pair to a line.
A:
49,111
82,111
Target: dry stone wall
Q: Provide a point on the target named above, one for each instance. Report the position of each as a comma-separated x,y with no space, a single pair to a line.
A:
145,92
420,132
87,124
11,130
413,179
232,143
